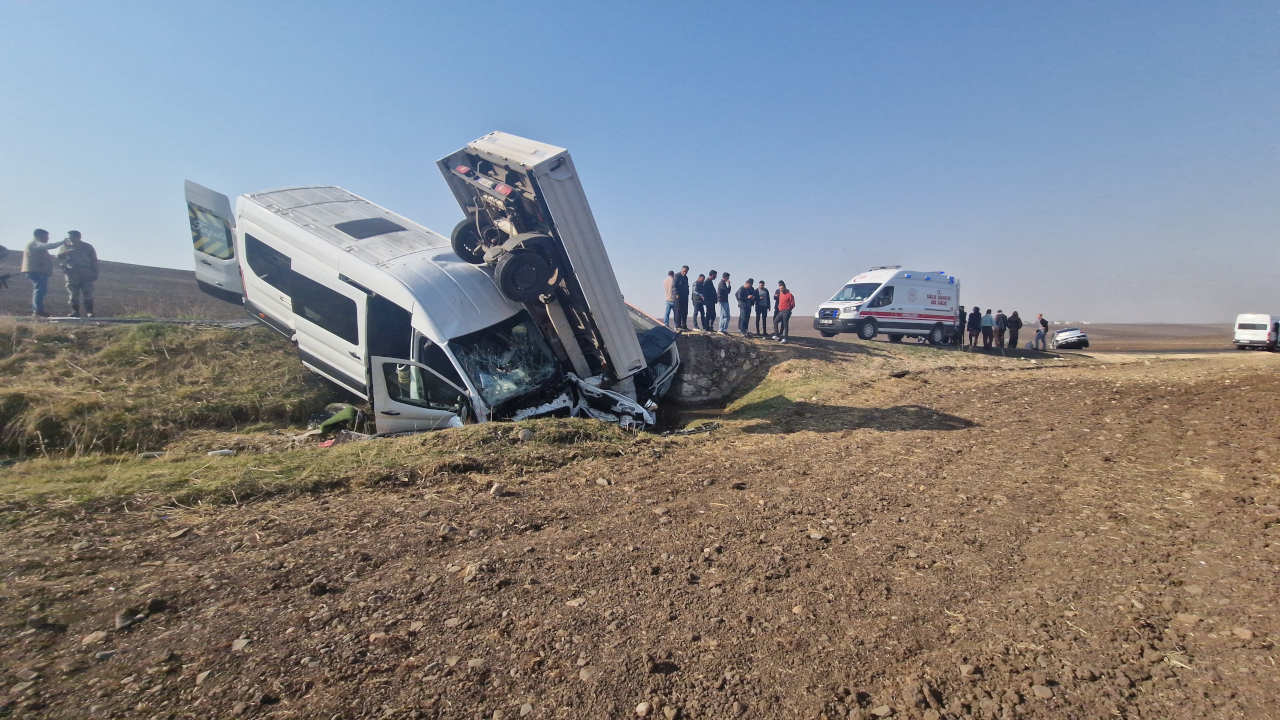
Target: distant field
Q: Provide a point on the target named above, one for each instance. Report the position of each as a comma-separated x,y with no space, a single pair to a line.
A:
122,290
1109,336
140,290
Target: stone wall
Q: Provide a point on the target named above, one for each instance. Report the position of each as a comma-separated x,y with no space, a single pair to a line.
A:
713,368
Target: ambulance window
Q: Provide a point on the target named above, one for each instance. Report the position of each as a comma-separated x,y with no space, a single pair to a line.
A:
272,266
432,355
884,297
319,305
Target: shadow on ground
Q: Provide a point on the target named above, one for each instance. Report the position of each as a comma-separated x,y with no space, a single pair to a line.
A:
781,415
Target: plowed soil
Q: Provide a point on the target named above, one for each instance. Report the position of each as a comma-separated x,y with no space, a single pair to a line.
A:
971,540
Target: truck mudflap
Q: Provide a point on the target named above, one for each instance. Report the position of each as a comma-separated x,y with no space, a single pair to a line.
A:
609,406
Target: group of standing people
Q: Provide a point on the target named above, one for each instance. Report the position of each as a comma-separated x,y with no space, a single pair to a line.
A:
710,298
994,328
79,262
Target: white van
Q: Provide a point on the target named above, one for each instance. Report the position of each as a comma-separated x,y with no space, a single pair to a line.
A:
381,306
896,302
1256,330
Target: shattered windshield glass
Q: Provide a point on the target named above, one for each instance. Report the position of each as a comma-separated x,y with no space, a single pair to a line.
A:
506,360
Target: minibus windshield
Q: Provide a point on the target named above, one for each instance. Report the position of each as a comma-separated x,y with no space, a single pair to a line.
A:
506,360
855,292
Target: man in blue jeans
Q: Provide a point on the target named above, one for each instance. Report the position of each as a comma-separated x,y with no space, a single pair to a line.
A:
724,291
669,287
37,264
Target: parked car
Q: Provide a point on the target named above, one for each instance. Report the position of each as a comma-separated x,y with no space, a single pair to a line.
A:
899,303
1072,338
1256,330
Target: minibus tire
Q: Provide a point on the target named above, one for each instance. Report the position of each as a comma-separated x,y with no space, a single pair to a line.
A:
523,275
466,242
867,331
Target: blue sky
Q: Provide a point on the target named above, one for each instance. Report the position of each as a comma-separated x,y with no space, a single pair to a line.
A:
1089,160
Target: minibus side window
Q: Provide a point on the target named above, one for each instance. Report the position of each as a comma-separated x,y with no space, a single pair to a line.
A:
410,385
269,264
318,304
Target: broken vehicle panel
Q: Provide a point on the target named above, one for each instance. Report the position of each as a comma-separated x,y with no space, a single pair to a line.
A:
528,220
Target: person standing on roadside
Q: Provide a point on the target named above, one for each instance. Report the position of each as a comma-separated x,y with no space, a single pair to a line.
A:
80,263
974,326
958,338
1014,323
785,304
709,302
762,309
988,329
1002,323
746,297
682,298
775,309
37,265
1042,335
723,291
669,290
699,314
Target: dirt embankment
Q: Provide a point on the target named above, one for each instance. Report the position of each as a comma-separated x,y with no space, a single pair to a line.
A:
977,537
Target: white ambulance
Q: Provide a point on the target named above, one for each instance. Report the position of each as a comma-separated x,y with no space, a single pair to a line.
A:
896,302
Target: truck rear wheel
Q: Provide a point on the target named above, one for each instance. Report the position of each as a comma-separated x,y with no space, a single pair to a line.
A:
868,330
936,335
523,275
826,333
895,337
466,242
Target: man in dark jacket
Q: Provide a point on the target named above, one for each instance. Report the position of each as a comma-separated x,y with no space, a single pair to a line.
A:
699,312
762,309
682,298
709,302
80,263
746,297
975,326
1001,323
1014,324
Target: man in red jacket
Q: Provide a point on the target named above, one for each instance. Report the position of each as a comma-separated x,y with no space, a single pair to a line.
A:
782,321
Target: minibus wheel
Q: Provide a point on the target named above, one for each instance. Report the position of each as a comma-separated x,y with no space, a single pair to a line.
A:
466,242
523,275
868,330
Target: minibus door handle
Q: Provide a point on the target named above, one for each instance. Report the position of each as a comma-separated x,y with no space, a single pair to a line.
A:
390,412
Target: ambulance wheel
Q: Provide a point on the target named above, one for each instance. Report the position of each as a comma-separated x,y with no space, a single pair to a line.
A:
868,330
895,337
936,335
467,243
827,334
523,275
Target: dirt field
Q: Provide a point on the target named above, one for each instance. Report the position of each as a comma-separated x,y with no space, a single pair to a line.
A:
982,537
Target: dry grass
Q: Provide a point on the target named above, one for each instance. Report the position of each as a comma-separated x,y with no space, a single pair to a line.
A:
76,390
476,454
